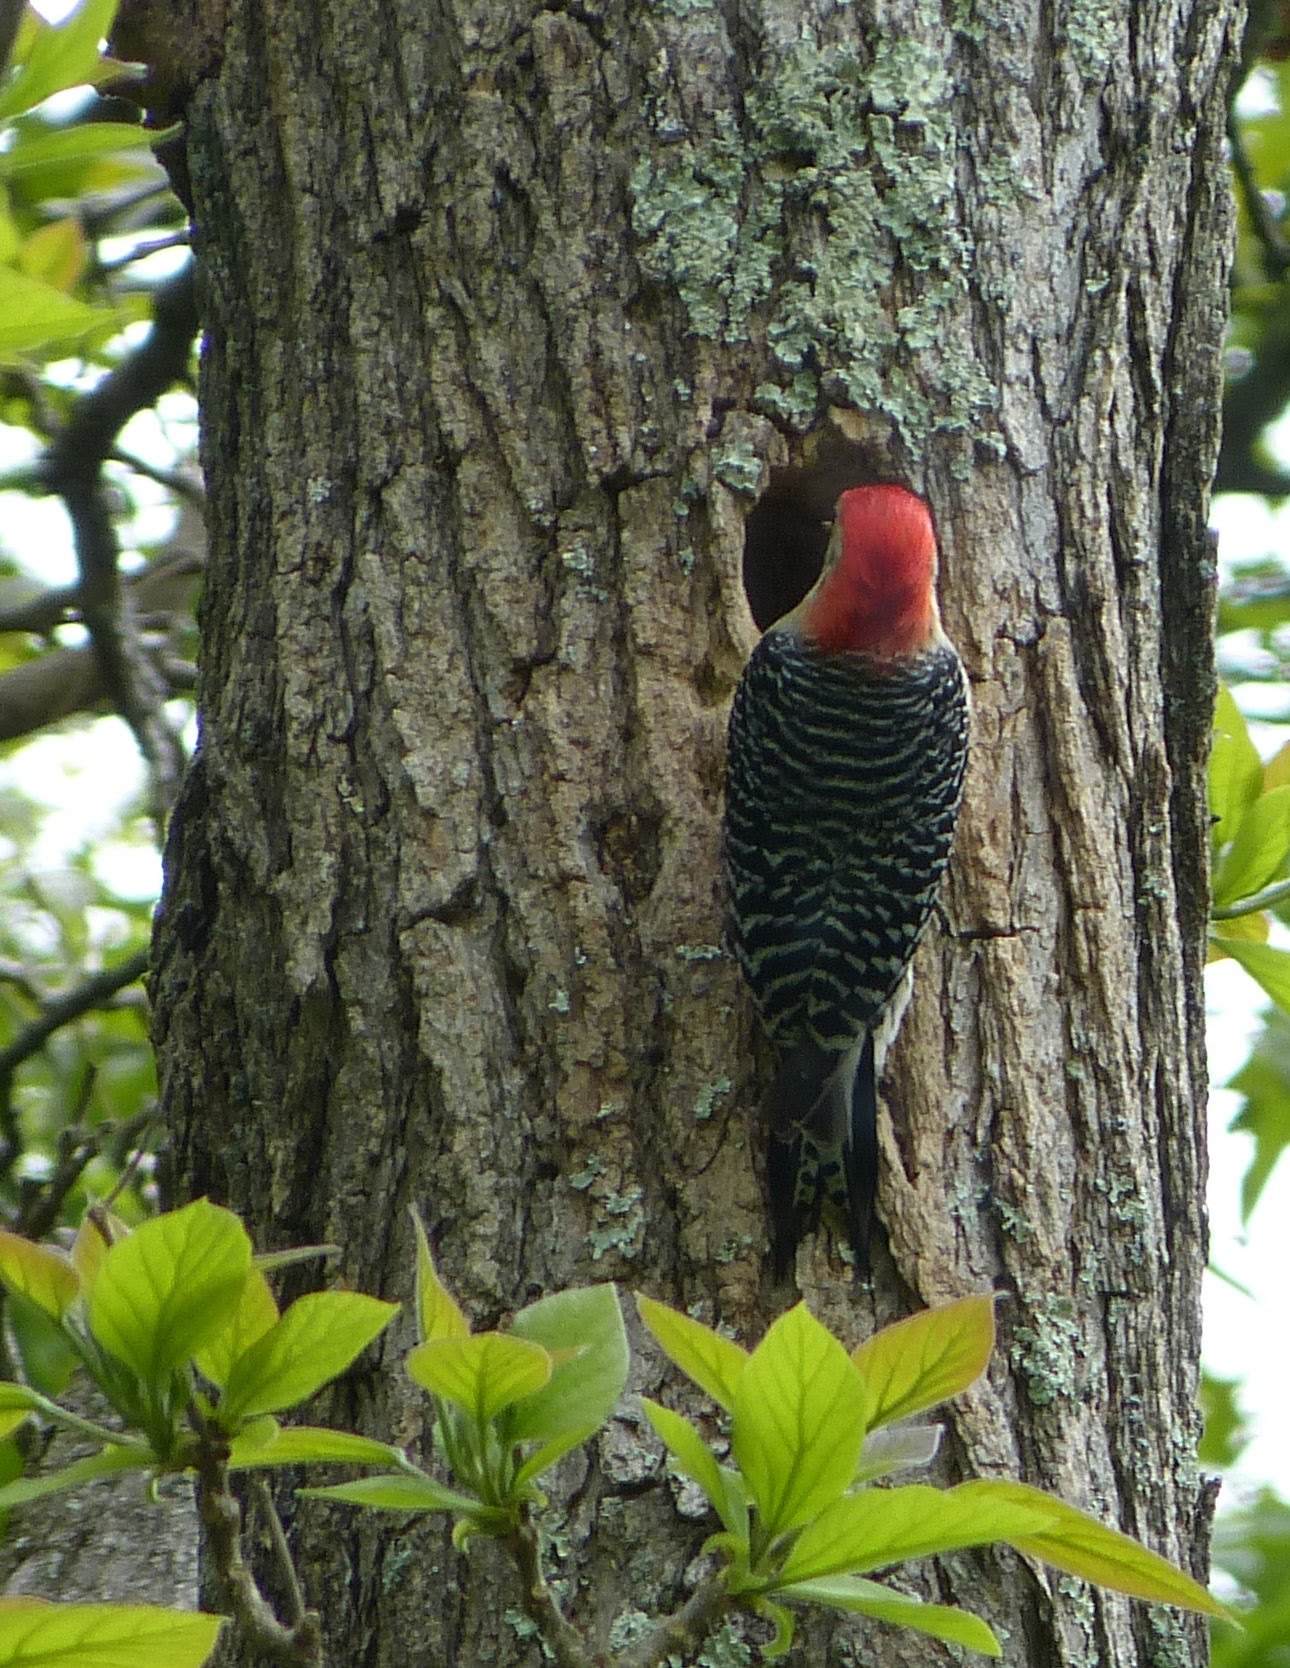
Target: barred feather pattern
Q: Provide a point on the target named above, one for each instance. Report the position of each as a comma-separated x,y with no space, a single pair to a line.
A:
845,773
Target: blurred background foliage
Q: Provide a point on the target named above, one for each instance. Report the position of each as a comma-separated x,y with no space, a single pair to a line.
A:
101,551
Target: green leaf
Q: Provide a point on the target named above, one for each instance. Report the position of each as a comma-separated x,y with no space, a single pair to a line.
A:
583,1331
926,1359
398,1494
314,1342
106,1463
36,1635
310,1445
1226,1433
61,57
481,1374
1080,1545
716,1364
1235,770
782,1620
169,1287
48,1360
798,1421
32,314
1264,1081
35,149
886,1526
1269,967
897,1448
256,1314
41,1274
694,1458
870,1598
438,1313
1258,853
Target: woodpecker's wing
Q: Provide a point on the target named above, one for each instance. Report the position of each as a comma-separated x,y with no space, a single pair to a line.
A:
843,785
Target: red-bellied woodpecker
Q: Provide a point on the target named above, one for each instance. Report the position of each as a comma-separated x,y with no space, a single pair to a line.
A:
848,742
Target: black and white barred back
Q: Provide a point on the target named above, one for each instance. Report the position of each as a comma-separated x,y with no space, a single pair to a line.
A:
844,779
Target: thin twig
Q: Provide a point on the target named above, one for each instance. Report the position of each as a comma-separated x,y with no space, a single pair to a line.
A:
298,1646
286,1563
557,1633
177,481
77,1149
685,1630
1276,251
73,468
95,992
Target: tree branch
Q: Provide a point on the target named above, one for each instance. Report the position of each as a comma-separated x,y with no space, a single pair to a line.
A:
557,1633
298,1646
73,468
95,992
686,1629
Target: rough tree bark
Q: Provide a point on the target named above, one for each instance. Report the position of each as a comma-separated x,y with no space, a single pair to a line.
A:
517,320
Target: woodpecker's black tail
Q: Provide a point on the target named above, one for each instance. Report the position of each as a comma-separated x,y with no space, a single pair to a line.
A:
823,1148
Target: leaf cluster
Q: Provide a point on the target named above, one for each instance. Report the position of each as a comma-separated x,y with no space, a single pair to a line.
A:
176,1323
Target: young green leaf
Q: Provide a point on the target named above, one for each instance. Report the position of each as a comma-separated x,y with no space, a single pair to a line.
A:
583,1332
1258,853
870,1598
36,1635
782,1621
897,1448
398,1494
1235,769
438,1313
926,1359
169,1287
314,1342
1080,1545
256,1314
309,1445
798,1421
1264,963
44,1346
695,1459
60,57
886,1526
40,1273
481,1374
106,1463
716,1364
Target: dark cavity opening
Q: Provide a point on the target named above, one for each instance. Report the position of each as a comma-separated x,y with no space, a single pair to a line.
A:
787,531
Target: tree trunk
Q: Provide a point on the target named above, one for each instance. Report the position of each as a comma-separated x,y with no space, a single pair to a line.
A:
518,322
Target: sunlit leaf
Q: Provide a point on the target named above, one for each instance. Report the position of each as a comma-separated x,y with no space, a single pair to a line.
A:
170,1287
887,1526
439,1315
398,1494
926,1359
694,1458
481,1374
315,1341
40,1273
1257,856
256,1314
1080,1545
309,1445
66,55
106,1463
36,149
1265,964
716,1364
798,1421
1264,1081
1235,769
870,1598
34,1635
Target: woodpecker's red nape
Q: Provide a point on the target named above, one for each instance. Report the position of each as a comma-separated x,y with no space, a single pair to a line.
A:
878,595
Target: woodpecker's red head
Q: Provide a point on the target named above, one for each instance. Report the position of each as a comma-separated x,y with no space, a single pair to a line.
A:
877,593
